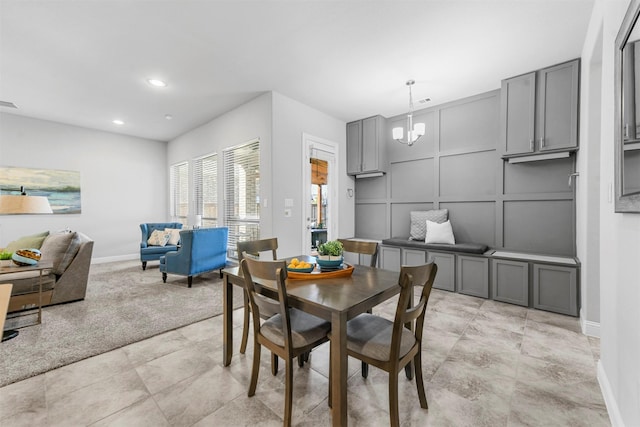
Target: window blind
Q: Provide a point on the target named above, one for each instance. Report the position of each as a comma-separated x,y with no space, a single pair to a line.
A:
205,170
242,193
179,182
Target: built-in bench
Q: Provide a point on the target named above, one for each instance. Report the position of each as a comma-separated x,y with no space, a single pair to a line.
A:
532,280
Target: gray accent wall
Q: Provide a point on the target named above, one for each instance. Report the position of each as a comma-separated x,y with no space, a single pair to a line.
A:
458,165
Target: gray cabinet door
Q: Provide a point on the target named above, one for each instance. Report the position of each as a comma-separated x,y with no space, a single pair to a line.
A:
446,275
413,257
354,147
518,113
558,104
472,276
370,141
510,281
555,288
389,258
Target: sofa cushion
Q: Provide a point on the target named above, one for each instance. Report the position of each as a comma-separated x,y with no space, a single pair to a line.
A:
419,221
471,248
60,248
158,238
33,241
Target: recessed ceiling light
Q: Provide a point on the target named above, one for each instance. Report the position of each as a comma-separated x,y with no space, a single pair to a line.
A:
424,100
118,122
156,83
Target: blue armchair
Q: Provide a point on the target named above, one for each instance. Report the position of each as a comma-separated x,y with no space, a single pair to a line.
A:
153,253
201,251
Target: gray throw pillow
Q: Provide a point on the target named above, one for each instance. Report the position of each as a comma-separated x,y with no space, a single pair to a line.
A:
419,221
60,248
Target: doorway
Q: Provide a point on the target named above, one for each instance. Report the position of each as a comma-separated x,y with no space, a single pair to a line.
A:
320,204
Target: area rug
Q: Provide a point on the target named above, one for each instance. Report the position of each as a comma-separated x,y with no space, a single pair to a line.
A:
124,304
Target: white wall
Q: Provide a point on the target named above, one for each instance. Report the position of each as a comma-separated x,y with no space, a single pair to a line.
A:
279,123
290,120
588,186
619,368
123,181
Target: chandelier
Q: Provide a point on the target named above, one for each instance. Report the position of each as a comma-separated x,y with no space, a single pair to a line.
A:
414,132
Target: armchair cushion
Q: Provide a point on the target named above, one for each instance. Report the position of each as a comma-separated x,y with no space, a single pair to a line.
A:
174,236
158,238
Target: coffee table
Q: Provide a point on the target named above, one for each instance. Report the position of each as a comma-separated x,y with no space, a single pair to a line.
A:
8,267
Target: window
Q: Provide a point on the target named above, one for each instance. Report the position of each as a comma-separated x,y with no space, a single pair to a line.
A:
242,193
179,182
206,189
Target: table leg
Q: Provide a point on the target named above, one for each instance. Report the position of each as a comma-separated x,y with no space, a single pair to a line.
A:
339,369
227,321
40,298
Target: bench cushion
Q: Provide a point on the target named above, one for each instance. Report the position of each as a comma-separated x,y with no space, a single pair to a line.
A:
471,248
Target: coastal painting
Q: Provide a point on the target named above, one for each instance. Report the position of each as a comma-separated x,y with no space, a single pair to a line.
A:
61,187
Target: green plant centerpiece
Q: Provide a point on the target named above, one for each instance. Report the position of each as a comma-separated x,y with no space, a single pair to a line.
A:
330,253
5,255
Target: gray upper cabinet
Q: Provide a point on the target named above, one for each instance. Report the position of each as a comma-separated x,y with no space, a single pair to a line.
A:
540,110
366,151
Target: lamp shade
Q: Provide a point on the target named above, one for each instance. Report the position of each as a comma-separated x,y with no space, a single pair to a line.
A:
398,133
10,204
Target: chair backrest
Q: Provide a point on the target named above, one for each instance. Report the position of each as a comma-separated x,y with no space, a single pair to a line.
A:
254,247
260,304
411,276
361,247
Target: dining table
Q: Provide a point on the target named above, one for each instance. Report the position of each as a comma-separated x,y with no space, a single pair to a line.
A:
335,299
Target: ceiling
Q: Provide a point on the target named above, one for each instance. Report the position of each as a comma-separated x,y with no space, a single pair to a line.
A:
86,63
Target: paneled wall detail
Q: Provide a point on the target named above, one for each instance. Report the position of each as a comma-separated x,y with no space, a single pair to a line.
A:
457,165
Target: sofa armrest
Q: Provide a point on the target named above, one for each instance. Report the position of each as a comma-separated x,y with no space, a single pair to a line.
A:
72,284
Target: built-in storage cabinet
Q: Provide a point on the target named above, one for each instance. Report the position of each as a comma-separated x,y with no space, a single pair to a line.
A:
555,288
510,281
446,276
389,258
540,111
366,149
544,282
472,276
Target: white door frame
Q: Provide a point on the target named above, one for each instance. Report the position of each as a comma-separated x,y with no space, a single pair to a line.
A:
325,150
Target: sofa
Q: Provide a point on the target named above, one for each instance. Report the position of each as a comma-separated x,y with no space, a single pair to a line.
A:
70,254
201,251
149,252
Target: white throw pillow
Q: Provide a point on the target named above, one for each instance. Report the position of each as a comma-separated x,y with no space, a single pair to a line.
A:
174,236
440,233
158,238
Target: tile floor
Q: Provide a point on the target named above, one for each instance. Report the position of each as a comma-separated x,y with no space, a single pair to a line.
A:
485,364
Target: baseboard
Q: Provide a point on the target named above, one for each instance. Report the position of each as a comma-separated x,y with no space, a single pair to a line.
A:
609,398
589,328
104,260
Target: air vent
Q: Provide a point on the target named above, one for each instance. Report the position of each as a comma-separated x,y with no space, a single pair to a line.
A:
8,104
424,100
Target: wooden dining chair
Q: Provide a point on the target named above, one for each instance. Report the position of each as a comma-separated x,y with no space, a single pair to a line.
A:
361,247
254,248
290,333
390,345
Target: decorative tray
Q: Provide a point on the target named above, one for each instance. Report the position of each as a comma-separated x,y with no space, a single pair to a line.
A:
346,271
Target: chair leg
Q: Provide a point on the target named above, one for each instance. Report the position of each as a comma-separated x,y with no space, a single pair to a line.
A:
274,364
417,361
255,369
394,417
144,265
164,277
245,327
365,370
408,371
288,392
221,273
189,280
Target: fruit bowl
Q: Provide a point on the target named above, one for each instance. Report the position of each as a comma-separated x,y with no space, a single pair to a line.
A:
302,270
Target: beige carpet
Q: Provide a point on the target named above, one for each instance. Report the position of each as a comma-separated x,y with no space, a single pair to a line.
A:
123,305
